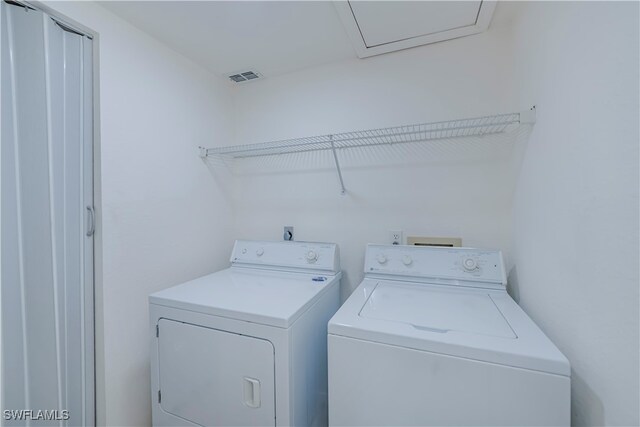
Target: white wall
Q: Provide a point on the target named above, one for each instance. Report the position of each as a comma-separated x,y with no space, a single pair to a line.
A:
164,219
444,188
574,257
576,210
574,253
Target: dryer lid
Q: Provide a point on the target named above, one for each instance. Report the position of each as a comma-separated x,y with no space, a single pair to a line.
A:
442,311
266,297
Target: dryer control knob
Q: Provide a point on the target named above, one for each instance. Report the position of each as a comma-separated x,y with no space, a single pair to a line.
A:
312,256
470,264
407,260
260,252
381,258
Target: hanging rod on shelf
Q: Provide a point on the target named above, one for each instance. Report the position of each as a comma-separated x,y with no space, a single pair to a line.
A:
476,126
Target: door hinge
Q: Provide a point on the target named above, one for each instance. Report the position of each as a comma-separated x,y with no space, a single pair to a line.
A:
157,331
159,396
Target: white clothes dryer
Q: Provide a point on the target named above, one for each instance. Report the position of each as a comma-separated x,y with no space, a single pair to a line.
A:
431,337
247,345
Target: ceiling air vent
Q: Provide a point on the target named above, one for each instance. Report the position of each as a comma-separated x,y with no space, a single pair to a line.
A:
245,76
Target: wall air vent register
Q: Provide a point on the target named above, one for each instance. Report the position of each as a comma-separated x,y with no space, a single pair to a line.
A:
244,76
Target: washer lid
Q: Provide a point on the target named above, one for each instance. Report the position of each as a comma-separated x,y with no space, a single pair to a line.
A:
473,323
437,310
267,297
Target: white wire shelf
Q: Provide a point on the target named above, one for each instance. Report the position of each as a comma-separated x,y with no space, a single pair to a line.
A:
423,132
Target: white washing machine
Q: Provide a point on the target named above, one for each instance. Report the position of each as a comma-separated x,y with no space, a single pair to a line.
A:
247,345
431,337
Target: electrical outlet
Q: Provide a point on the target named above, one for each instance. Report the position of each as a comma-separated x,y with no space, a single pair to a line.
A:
288,232
395,237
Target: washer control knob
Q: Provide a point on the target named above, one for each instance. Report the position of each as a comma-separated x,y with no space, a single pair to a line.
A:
260,252
312,256
381,258
244,251
407,260
470,264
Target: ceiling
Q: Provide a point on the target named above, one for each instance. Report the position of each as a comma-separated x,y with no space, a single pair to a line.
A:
276,37
272,37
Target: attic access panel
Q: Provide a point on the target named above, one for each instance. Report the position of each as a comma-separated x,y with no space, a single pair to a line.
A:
377,27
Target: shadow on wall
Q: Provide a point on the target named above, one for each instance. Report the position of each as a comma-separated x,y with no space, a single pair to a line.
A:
583,399
513,287
346,284
586,402
220,176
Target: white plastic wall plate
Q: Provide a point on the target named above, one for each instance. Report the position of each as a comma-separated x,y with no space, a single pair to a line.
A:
395,237
350,23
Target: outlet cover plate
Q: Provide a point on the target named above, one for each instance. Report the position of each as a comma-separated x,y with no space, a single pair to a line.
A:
288,233
395,237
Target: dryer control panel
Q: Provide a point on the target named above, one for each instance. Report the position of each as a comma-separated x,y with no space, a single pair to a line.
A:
468,266
288,255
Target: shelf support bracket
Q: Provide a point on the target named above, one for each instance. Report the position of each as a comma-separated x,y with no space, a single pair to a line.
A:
343,191
203,153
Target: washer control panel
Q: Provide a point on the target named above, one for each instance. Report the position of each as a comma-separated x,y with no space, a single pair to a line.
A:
297,255
441,264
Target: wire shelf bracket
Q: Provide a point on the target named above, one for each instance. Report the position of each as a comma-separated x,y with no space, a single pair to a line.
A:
460,128
343,190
